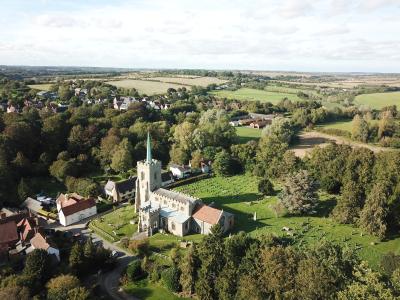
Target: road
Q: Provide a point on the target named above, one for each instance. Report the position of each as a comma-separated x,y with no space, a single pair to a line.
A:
109,281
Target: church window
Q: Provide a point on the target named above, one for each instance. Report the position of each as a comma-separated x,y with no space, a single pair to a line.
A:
173,226
155,176
165,202
173,205
182,208
142,175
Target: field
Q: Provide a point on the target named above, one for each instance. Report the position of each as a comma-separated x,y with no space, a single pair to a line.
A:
341,125
238,195
144,289
117,221
246,134
195,80
146,86
378,100
256,95
41,87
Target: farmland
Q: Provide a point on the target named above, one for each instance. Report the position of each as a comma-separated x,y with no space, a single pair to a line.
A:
41,87
246,134
378,100
239,195
145,86
273,97
199,81
341,125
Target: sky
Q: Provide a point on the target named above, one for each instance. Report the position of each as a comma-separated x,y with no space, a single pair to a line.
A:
290,35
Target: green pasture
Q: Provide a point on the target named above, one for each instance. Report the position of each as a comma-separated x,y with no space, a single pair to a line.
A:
378,100
246,134
341,125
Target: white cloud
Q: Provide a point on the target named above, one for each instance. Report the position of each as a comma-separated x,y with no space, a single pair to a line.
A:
262,34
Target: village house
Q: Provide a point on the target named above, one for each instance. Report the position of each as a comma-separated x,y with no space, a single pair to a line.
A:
171,211
123,103
73,208
27,228
40,241
180,172
121,190
204,166
259,124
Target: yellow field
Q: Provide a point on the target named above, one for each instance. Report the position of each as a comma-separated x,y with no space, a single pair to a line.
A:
41,87
193,80
146,86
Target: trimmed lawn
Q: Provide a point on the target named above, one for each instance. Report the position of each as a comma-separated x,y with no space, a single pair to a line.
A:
246,134
342,125
378,100
145,290
117,221
238,194
273,97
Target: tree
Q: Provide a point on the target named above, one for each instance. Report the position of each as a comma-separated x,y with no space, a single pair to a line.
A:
222,165
37,268
60,169
89,253
64,92
359,131
299,193
367,284
24,190
134,270
265,187
373,217
76,258
188,268
122,159
14,292
59,287
170,278
281,129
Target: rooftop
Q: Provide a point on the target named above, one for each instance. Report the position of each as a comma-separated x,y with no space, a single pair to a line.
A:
208,214
183,198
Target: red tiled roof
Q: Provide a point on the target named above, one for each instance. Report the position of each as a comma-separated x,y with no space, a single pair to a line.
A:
40,242
78,206
8,233
207,214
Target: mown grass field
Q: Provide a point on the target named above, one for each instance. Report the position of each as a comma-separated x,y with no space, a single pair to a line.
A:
41,87
238,195
342,125
246,134
196,80
117,221
146,86
145,290
256,95
378,100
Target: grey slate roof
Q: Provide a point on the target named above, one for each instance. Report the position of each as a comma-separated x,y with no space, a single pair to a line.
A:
174,195
126,185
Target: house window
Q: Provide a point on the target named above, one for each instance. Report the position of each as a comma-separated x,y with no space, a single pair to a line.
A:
173,226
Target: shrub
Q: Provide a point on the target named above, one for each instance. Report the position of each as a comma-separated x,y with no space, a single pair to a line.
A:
170,278
139,247
134,270
265,187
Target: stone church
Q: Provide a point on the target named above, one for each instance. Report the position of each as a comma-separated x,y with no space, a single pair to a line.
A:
171,211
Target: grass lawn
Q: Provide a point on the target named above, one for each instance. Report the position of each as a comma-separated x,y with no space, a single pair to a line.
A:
145,290
246,134
41,87
256,95
342,125
118,221
238,195
378,100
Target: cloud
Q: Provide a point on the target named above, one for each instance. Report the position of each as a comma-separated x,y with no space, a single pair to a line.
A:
295,8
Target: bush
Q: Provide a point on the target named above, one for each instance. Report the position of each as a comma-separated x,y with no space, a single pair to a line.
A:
134,270
139,247
170,278
266,187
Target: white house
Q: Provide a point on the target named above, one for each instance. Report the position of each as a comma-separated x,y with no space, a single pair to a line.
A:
180,171
39,241
73,208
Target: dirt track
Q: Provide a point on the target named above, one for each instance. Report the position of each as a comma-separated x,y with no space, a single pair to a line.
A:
308,140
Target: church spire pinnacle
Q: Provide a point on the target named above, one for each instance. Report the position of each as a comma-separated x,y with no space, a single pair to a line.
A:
148,156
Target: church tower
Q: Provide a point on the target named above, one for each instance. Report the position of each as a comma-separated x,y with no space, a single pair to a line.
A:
148,178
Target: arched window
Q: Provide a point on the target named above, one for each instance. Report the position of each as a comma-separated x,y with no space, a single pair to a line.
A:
142,175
